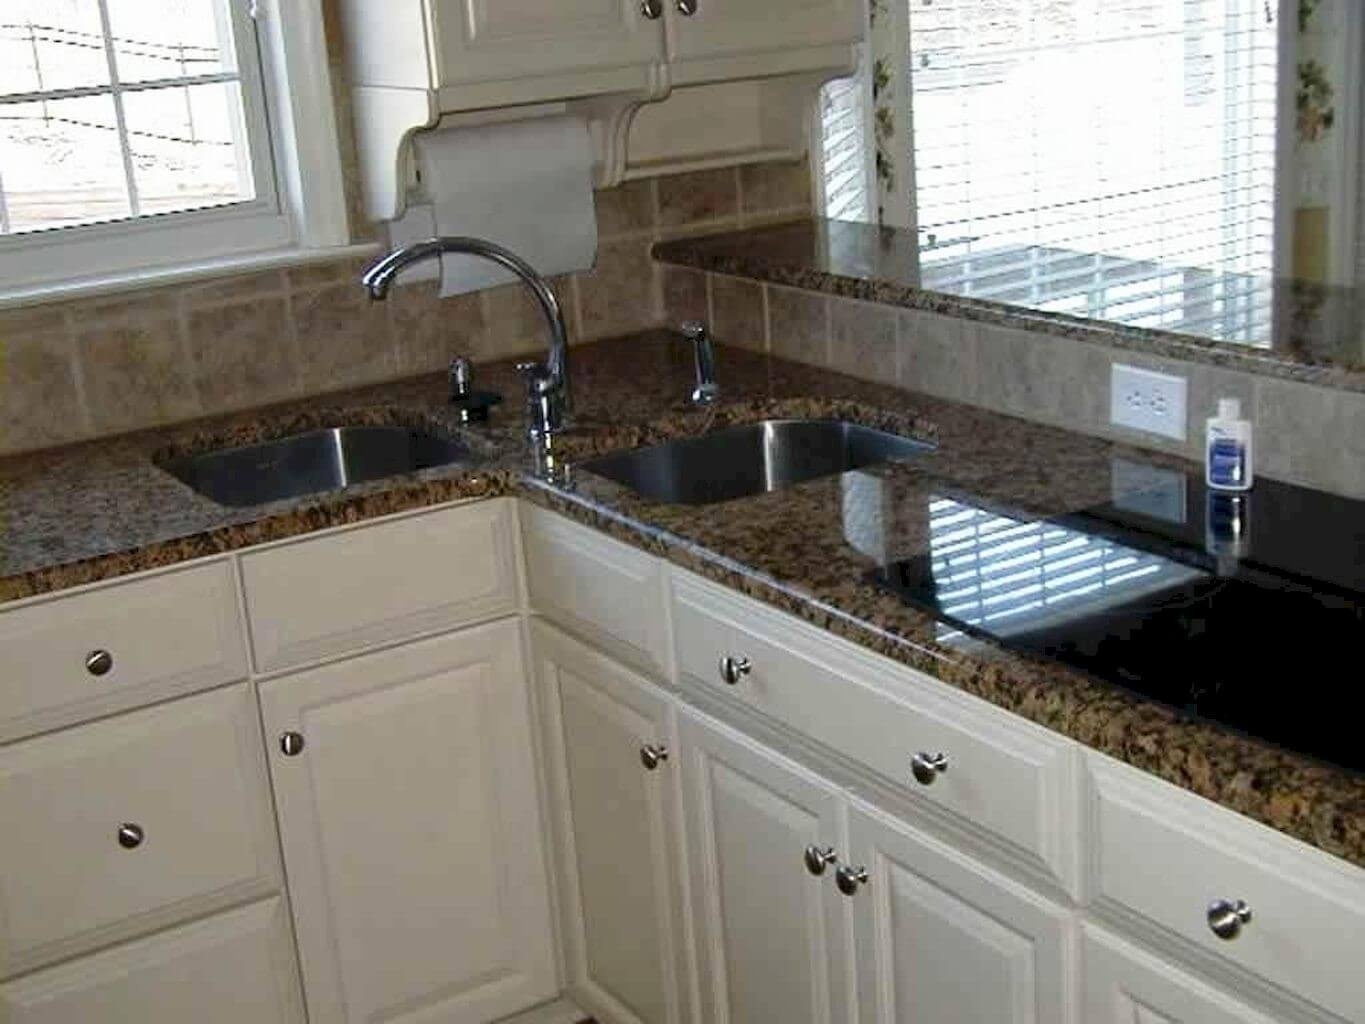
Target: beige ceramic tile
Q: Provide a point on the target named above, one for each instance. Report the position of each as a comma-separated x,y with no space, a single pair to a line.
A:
778,185
1298,432
514,323
737,312
798,325
626,210
232,289
429,331
862,339
698,196
316,275
344,339
40,402
621,293
136,375
684,295
243,354
936,355
126,307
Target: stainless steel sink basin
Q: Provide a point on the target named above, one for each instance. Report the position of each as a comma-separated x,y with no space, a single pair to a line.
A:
736,462
320,460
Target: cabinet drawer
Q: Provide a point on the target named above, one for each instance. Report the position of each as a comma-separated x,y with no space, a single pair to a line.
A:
323,596
596,586
228,969
1004,777
1164,855
163,635
185,779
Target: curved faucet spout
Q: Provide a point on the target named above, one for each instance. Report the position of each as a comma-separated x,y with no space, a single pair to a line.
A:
380,275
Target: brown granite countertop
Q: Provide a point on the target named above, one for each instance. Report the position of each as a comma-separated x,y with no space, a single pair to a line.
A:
103,509
1310,332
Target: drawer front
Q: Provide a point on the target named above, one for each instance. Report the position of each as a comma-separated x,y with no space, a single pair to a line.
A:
1164,855
163,635
130,823
1009,780
229,969
596,586
319,597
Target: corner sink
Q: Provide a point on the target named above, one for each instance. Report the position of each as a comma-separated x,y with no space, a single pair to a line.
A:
319,460
737,462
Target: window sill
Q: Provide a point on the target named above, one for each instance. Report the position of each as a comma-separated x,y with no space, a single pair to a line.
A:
160,277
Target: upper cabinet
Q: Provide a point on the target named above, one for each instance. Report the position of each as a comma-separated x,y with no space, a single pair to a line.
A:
706,29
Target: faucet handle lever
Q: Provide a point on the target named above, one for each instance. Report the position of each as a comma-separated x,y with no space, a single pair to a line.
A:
537,375
693,330
706,390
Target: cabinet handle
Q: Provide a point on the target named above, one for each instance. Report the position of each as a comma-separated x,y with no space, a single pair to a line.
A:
1226,918
651,754
928,767
652,9
733,669
820,857
291,743
130,835
849,879
687,8
99,662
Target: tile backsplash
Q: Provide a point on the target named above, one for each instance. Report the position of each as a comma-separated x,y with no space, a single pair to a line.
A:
141,358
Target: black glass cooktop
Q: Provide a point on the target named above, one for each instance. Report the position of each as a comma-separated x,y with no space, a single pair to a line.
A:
1248,613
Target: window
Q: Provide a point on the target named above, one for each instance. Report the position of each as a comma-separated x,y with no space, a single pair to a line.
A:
138,133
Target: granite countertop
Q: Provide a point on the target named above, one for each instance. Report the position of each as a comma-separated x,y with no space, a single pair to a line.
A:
1298,333
99,510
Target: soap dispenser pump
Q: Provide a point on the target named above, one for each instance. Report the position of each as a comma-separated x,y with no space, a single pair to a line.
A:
1227,449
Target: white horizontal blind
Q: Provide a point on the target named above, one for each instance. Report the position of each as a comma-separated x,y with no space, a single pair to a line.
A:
1010,576
1107,158
845,144
116,109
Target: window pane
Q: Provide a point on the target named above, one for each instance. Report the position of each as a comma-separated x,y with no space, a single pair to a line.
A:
188,149
60,163
50,44
156,39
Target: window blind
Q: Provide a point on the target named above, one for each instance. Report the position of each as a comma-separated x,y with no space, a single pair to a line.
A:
845,143
1110,158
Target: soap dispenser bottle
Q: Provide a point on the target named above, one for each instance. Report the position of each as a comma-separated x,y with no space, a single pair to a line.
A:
1227,449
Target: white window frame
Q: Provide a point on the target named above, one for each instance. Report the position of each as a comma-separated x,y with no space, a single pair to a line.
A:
299,214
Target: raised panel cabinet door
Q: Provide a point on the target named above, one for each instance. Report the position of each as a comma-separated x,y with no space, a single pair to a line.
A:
493,40
732,28
612,782
774,939
405,786
1125,985
941,938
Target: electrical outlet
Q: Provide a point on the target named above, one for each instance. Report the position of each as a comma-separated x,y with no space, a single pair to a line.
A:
1146,400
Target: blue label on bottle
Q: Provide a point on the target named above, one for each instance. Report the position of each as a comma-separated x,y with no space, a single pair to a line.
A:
1227,463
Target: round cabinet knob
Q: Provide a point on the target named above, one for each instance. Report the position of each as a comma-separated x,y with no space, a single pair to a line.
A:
291,743
687,8
849,879
819,857
1226,918
652,9
130,835
928,767
98,663
651,754
733,669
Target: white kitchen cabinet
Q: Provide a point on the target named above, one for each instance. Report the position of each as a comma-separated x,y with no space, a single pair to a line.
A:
618,838
724,28
943,938
406,790
774,939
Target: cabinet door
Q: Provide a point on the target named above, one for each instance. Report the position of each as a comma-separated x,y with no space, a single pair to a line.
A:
774,939
411,835
612,776
1124,985
492,40
940,938
731,28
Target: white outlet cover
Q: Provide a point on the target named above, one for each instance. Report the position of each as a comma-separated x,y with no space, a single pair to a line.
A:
1145,400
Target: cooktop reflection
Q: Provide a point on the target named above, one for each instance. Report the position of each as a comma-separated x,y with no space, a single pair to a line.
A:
1166,610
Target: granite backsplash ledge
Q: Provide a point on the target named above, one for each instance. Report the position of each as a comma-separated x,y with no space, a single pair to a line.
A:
826,293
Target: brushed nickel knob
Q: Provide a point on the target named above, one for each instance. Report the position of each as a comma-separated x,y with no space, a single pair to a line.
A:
652,9
130,835
99,662
687,8
849,879
928,767
820,857
733,669
291,743
651,754
1226,918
